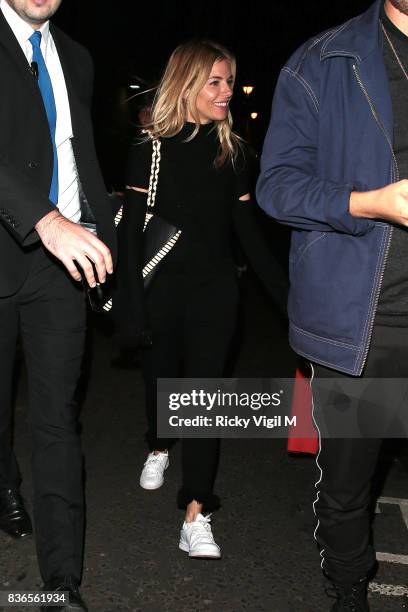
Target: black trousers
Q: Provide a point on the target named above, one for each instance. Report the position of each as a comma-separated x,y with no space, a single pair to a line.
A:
192,323
347,465
48,312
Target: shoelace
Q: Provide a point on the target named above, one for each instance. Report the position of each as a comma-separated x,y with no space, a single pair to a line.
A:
14,498
152,463
346,599
202,529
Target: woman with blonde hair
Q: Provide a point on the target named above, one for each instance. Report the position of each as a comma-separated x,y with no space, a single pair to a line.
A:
191,304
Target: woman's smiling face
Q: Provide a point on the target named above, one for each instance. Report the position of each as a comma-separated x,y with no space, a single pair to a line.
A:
212,102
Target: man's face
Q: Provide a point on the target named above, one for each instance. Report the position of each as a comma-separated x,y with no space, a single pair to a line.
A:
400,5
35,12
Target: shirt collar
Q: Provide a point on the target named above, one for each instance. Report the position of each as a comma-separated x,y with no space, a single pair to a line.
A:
21,29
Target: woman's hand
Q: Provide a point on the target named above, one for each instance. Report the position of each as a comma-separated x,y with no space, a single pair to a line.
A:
245,197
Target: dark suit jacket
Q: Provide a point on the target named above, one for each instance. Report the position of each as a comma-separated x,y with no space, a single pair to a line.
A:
26,155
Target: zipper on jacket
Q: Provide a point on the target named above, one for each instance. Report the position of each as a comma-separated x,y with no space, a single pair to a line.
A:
395,178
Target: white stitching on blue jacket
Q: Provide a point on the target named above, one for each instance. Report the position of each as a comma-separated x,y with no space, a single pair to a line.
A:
327,340
372,299
333,36
305,85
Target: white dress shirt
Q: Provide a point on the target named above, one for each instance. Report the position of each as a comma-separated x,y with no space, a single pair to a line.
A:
68,188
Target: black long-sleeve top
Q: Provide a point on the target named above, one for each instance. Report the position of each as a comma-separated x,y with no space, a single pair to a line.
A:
204,202
195,196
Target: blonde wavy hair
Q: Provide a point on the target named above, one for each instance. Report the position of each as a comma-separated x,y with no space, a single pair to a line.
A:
186,74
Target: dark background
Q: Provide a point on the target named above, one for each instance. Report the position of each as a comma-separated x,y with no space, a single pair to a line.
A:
132,40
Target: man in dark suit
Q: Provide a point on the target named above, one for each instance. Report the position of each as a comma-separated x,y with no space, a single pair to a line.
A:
51,193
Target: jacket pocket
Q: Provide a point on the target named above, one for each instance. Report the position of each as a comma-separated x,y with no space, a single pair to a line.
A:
302,243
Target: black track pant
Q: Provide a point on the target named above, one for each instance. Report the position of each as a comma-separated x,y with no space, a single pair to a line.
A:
192,324
347,465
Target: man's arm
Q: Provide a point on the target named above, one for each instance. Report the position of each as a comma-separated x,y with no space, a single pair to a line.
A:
21,204
289,188
29,216
389,203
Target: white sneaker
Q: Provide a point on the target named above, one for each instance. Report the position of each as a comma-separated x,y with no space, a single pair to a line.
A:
152,476
197,539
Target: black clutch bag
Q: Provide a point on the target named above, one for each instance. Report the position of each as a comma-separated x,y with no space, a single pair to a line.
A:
99,295
159,238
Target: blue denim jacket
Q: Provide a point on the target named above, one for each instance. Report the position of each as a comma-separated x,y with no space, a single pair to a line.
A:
331,133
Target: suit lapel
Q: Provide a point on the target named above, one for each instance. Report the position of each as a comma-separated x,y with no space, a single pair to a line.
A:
12,48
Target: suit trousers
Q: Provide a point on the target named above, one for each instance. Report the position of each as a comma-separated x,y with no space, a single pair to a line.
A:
347,465
48,314
192,323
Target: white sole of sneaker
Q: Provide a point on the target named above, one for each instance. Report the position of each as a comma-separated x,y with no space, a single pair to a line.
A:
203,555
184,547
152,488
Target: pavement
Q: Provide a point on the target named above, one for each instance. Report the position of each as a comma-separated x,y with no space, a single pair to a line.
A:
265,526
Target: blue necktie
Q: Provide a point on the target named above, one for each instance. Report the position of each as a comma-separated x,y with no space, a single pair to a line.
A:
45,85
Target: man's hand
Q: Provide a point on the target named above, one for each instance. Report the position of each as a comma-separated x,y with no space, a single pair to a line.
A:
389,203
70,243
